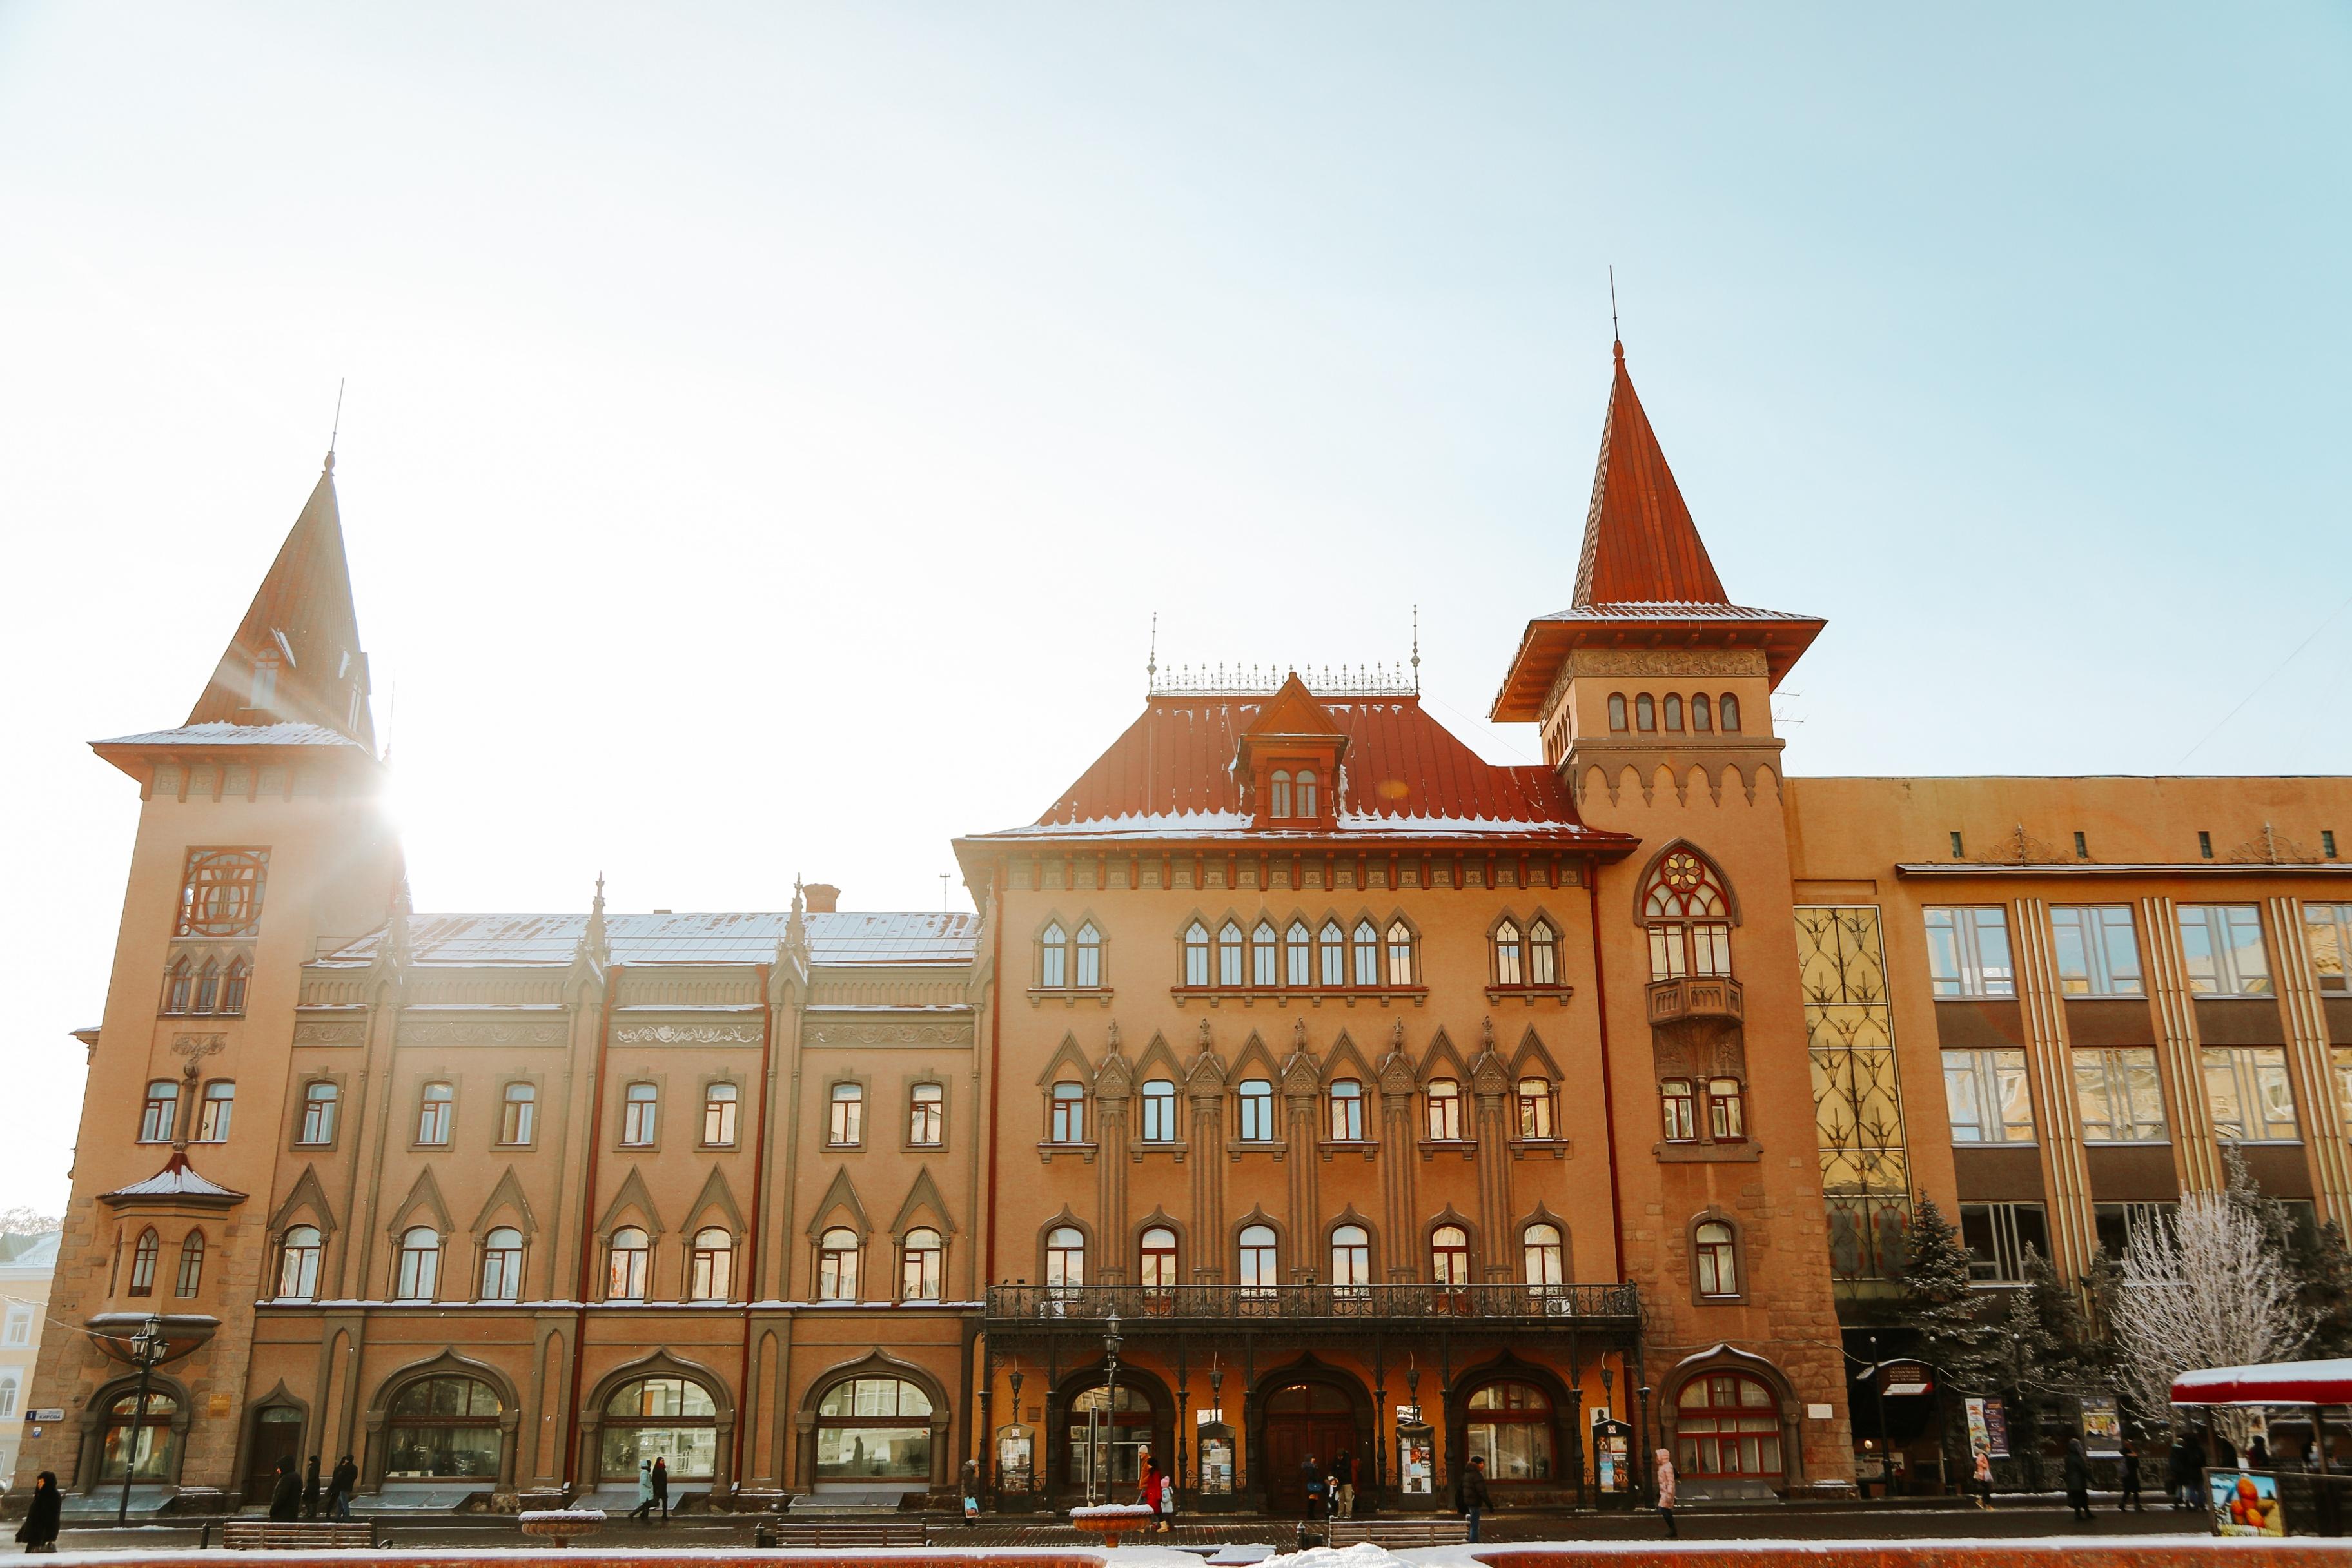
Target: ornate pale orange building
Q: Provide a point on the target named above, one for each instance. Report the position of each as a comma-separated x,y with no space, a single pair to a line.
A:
1307,1084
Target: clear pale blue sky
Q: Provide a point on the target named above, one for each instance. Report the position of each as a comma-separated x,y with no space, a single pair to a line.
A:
770,427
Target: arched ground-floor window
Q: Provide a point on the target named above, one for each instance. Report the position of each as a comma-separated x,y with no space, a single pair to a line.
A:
151,1444
874,1432
439,1427
1106,1439
1726,1426
1511,1426
668,1418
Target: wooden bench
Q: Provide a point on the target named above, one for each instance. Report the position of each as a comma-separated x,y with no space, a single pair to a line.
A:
851,1533
291,1535
1391,1534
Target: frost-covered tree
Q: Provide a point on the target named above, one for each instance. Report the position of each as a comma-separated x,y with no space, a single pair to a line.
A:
2210,1287
25,1221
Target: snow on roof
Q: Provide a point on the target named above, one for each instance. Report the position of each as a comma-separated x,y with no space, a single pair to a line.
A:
1668,610
876,937
177,1179
223,733
39,1251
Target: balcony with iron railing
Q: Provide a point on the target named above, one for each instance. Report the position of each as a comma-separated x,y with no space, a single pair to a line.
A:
1047,1309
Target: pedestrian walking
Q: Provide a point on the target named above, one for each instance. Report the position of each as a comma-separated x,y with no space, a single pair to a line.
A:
645,1490
342,1485
1310,1478
970,1493
1167,1502
1146,1492
1343,1485
1982,1479
286,1493
1666,1493
310,1490
2258,1457
1471,1498
661,1487
2180,1471
2131,1479
39,1530
2078,1478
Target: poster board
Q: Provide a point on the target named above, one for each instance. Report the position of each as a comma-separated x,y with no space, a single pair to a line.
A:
1416,1461
2102,1427
2245,1503
1016,1449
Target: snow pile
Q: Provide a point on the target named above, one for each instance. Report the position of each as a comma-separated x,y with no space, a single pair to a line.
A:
530,1514
1363,1554
1115,1511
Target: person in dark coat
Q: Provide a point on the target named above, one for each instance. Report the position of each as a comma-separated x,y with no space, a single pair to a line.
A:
2130,1499
2180,1472
311,1491
1471,1498
1310,1480
661,1487
1343,1485
2078,1478
286,1496
339,1487
39,1530
2225,1453
2258,1457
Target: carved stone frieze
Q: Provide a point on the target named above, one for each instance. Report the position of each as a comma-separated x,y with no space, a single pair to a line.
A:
1667,662
486,1033
687,1034
331,1032
831,1034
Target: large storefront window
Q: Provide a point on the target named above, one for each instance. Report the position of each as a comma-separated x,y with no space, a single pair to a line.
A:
1729,1424
873,1429
443,1426
1511,1426
660,1418
151,1449
1115,1443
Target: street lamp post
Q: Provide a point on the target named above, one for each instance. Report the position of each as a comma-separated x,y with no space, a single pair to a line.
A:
1111,1341
1878,1397
1643,1427
147,1347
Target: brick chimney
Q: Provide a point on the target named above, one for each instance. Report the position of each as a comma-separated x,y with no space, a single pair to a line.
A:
824,898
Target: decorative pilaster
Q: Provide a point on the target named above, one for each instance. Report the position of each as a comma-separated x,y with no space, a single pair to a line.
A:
1302,1085
1204,1086
1398,1083
2168,983
1114,1082
1490,1085
2310,1062
2050,1070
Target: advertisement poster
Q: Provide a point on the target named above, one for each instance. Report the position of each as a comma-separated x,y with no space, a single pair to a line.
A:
2102,1427
1416,1462
1612,1456
1988,1428
2246,1504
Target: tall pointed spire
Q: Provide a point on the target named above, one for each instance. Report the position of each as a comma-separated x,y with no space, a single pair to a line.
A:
296,656
595,944
1640,544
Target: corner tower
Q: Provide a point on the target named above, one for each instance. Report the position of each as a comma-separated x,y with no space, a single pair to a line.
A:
260,835
1653,693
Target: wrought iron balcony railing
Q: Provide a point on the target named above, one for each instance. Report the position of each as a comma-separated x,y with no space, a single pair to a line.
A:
1011,1307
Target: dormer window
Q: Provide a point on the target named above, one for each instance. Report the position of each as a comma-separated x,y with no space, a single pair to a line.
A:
265,680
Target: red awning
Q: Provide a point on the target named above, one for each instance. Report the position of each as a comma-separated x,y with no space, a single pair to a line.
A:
2282,1382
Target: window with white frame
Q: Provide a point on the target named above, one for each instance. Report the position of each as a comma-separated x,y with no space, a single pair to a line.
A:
2327,935
20,1327
8,1394
1986,1098
1444,1099
2097,952
1255,1098
298,1264
1347,1101
502,1264
1260,1270
1968,951
1999,1237
1053,958
1159,1111
2117,1095
640,1103
517,1109
719,1104
1090,957
918,1265
215,1114
1229,954
837,1265
847,1126
420,1264
2223,946
1196,954
1266,955
1689,919
1067,1122
628,1274
1297,954
2248,1094
926,1115
1334,944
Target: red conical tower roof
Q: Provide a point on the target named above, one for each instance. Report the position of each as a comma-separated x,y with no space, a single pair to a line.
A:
1640,544
304,620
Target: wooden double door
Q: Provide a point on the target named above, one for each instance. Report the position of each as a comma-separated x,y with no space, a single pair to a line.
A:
1303,1421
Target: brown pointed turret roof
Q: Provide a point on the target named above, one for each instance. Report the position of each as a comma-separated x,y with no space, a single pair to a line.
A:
303,615
1640,543
1644,578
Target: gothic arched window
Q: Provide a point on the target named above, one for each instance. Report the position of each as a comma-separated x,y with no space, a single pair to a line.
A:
1689,918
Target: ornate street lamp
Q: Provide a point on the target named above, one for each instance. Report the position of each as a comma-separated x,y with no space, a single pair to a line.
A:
148,1346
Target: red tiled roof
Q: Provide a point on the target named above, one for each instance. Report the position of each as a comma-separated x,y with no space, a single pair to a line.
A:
1170,774
1640,543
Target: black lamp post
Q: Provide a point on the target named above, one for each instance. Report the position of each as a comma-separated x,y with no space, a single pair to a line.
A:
148,1346
1878,1397
1642,1432
1029,1482
1111,1341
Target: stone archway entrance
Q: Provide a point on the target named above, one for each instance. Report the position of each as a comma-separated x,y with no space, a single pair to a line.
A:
1307,1416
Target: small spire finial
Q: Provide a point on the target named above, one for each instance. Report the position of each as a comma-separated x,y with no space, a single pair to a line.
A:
1416,650
335,432
1152,666
1616,338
